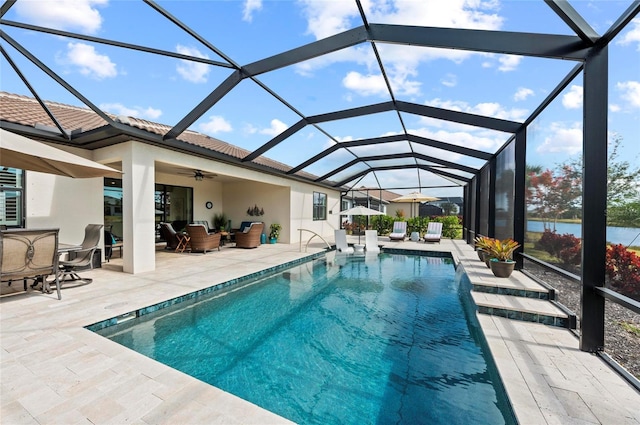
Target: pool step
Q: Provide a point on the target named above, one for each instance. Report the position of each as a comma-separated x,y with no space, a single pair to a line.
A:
518,297
523,308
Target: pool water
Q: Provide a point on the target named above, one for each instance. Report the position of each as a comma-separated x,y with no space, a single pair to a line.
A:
344,340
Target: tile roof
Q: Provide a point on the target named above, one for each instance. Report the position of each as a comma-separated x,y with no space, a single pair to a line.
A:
24,110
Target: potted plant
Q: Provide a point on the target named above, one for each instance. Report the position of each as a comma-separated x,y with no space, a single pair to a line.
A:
348,227
482,247
220,222
501,251
274,232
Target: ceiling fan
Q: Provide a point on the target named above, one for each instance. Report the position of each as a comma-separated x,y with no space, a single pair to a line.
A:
199,175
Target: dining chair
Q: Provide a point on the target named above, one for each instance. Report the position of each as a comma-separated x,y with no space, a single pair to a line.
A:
29,254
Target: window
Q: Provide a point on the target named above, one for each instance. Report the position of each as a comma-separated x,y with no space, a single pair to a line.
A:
11,197
319,206
173,204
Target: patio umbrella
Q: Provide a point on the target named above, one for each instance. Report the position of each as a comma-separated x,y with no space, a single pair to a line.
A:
360,210
414,197
17,151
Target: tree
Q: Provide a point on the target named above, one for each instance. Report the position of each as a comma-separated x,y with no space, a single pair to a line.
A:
449,208
623,180
550,195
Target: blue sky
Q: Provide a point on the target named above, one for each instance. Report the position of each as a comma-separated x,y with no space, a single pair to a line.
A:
164,89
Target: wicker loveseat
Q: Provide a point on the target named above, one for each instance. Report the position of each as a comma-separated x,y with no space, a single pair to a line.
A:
201,241
250,236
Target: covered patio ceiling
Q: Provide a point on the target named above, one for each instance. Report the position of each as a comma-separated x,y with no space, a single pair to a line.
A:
385,136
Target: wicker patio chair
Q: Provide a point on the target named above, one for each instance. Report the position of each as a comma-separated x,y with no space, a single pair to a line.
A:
250,236
29,254
201,241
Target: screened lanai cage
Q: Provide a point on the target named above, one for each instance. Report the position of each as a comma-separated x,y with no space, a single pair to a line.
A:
527,110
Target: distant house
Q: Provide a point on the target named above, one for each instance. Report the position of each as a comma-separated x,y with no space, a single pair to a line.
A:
429,210
455,200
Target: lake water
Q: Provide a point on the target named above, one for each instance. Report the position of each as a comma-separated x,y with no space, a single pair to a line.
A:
621,235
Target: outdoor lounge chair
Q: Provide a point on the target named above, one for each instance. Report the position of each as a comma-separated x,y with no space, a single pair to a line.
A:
434,232
29,255
399,232
371,241
250,236
169,235
83,257
201,240
341,241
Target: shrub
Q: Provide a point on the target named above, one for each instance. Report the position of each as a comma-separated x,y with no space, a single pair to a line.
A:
623,270
417,224
566,248
382,223
451,226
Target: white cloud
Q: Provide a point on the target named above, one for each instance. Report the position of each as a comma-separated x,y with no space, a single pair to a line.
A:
215,124
614,108
563,139
250,6
276,128
522,93
490,109
632,35
194,72
63,14
365,85
137,111
468,139
449,80
89,62
401,62
573,99
630,93
509,62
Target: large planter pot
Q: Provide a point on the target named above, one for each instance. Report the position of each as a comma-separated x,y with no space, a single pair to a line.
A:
502,268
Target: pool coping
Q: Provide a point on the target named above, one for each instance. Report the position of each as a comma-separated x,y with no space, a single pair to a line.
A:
140,312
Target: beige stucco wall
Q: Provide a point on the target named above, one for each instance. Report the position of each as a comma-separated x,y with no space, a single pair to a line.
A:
274,200
64,202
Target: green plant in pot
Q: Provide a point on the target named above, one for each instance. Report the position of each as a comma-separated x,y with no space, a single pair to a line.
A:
274,232
220,221
501,251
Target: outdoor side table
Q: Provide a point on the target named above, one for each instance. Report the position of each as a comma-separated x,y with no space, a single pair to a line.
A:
183,241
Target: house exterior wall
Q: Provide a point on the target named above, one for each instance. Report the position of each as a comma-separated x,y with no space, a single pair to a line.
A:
71,204
287,202
302,212
274,200
53,202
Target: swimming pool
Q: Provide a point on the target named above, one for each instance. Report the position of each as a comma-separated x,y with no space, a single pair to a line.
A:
338,340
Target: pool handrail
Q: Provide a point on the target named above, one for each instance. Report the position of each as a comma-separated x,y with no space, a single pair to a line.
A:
314,235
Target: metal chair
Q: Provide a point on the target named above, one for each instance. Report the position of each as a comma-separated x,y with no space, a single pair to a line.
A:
29,254
83,256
